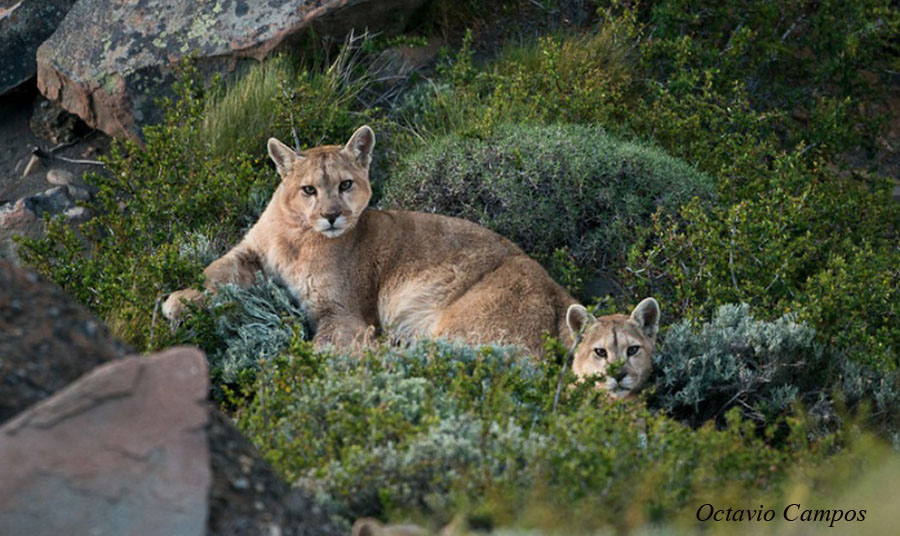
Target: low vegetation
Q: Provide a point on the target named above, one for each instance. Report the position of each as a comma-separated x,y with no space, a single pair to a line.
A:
722,158
549,187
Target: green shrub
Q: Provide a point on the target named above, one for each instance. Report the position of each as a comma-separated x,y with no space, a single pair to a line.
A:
548,187
765,369
825,248
437,429
577,79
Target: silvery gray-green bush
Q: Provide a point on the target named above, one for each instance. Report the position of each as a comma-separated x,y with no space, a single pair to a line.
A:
735,360
253,324
763,368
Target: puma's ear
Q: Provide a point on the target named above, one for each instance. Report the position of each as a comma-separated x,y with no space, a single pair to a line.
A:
360,145
646,314
577,318
283,156
366,527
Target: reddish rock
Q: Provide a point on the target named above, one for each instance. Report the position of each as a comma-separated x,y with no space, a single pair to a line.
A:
109,60
123,450
16,214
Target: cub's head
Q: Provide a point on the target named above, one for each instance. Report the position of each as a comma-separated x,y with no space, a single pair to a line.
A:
616,347
325,188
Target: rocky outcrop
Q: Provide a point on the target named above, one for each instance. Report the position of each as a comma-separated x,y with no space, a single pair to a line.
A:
46,340
123,450
109,60
60,200
24,25
131,447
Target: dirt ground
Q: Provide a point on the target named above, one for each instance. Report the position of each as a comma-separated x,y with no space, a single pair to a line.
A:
17,141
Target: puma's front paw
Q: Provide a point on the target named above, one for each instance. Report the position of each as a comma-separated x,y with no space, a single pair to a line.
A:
177,302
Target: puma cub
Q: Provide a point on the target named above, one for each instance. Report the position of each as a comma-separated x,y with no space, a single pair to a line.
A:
410,274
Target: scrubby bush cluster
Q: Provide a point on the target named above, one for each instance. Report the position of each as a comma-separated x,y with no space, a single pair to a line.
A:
252,325
548,187
766,369
429,429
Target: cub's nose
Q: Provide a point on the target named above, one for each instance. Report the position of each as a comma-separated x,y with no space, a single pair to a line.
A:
331,216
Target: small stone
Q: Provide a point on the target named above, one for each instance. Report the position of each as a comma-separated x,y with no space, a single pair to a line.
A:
77,215
78,193
53,201
60,177
240,483
16,214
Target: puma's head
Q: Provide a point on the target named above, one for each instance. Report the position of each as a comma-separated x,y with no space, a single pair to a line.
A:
618,348
326,188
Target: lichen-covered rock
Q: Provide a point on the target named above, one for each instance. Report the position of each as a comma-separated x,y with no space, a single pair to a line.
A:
24,25
109,60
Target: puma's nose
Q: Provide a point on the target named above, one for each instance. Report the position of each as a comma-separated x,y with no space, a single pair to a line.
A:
620,374
331,216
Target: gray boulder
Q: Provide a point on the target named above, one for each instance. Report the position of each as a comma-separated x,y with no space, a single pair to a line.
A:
24,25
109,60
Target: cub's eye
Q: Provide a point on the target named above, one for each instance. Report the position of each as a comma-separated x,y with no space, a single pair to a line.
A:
345,185
309,190
632,350
601,353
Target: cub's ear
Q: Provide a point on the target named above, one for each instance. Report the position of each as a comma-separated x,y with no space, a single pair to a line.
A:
646,314
283,156
360,145
577,318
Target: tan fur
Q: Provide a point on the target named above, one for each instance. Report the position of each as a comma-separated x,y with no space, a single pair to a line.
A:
372,527
625,340
410,274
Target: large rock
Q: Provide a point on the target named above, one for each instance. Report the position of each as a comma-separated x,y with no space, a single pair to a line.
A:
46,340
136,416
110,59
249,498
123,450
24,25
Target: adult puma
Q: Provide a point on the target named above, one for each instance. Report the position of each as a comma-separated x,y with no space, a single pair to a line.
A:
410,274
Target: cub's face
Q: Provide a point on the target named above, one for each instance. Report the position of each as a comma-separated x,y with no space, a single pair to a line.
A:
617,348
326,188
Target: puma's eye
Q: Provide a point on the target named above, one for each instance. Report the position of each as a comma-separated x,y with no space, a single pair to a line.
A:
309,190
601,353
345,185
633,350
